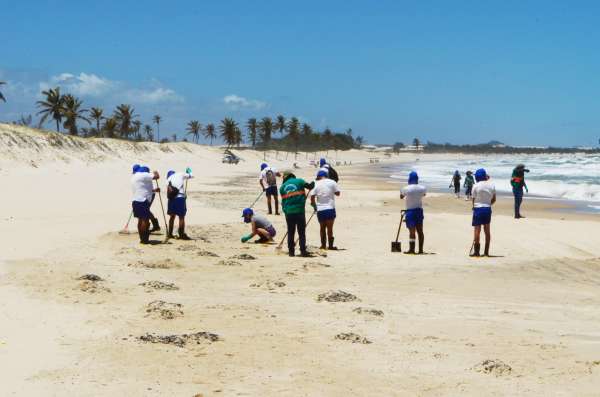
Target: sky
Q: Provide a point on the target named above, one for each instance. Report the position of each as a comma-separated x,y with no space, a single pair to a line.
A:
521,72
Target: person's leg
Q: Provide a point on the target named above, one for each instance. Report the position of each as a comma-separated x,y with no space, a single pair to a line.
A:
276,199
421,237
269,203
476,239
323,232
488,239
302,233
182,234
518,202
264,235
171,225
291,229
144,230
330,239
411,240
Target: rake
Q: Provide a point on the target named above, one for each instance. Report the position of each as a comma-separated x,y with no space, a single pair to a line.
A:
125,229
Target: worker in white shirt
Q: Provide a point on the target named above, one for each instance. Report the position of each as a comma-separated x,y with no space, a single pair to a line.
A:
176,194
143,190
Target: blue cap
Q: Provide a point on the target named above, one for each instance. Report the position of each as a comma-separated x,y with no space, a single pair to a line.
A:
480,175
322,162
246,214
135,168
263,166
322,174
169,173
413,178
143,168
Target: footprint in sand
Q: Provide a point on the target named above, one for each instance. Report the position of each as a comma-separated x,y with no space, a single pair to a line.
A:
314,265
154,285
197,250
494,367
367,311
164,310
337,296
244,257
91,284
269,285
353,338
228,262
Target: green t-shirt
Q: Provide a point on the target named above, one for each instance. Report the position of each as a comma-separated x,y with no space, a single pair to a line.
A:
293,198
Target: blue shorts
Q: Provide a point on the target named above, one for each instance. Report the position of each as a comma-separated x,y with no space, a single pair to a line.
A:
414,217
177,206
326,215
271,191
141,209
482,216
271,231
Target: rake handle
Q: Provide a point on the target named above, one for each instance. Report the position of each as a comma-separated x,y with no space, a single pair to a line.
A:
400,225
162,207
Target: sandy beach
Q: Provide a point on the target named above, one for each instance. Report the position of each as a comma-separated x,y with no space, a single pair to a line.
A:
214,317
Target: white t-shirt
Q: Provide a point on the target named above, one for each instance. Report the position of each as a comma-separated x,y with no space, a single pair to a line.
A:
483,192
177,180
263,175
414,196
141,186
325,190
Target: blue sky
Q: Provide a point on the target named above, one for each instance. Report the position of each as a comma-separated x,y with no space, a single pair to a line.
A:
522,72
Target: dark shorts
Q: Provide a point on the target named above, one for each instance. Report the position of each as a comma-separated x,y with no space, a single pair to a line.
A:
414,217
141,209
271,231
271,191
326,215
482,216
177,206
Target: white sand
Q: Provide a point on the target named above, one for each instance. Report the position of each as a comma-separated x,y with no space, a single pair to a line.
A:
535,307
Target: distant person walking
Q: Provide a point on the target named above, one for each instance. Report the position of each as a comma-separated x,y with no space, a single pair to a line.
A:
293,201
484,196
331,172
143,191
469,182
414,194
177,197
455,181
268,183
322,199
517,182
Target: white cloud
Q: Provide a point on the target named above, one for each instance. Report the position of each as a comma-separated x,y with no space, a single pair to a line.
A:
153,96
236,102
84,84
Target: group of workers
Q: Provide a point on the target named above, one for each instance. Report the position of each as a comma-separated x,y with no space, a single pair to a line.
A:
323,191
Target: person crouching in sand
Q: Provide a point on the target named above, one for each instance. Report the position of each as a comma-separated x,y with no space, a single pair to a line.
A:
484,196
322,199
177,200
260,226
414,194
143,191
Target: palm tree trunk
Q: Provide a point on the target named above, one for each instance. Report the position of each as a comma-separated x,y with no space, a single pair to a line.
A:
57,126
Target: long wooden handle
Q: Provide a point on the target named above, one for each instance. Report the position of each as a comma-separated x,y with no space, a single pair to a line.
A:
400,225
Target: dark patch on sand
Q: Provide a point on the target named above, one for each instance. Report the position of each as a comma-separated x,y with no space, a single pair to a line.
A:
337,296
494,367
366,310
244,257
228,262
314,265
181,340
352,337
150,285
90,277
269,285
158,264
165,310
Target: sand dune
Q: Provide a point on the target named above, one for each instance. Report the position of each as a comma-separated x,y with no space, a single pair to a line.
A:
215,317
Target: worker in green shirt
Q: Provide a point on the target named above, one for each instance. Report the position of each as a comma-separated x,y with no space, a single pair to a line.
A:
293,196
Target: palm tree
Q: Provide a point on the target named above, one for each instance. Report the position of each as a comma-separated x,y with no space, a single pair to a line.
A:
125,115
293,129
193,129
416,143
266,130
327,138
280,124
228,131
2,96
209,132
72,112
148,131
137,126
238,136
359,141
252,126
306,130
96,114
110,127
157,119
52,106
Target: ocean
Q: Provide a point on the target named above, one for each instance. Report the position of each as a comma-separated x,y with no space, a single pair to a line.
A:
574,177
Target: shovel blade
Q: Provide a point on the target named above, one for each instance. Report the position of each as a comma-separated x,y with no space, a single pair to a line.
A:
396,246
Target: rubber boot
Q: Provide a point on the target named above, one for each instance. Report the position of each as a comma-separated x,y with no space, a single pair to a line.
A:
411,248
182,235
421,246
476,248
331,246
170,233
145,238
486,251
323,242
155,225
292,253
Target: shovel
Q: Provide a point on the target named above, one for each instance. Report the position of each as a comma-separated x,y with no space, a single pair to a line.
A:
397,245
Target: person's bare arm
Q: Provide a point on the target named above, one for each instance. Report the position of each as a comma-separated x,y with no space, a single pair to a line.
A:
337,194
155,175
313,200
261,184
494,199
254,232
